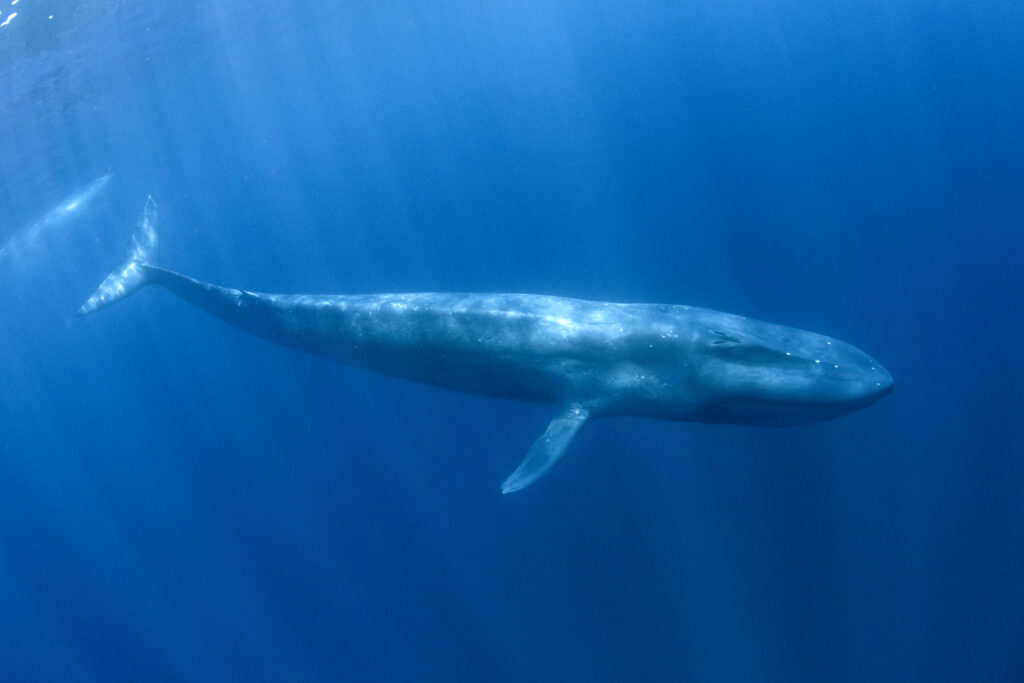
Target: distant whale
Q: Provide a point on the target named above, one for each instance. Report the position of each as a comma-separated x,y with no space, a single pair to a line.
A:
53,220
587,359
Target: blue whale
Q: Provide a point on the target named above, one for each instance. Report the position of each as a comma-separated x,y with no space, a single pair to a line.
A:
587,359
54,220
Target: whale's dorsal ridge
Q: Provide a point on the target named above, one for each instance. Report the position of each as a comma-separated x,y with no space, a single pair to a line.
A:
548,449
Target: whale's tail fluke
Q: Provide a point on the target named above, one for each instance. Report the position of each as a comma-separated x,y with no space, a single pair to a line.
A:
132,273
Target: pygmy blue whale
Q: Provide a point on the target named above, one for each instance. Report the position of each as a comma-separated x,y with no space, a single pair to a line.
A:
587,359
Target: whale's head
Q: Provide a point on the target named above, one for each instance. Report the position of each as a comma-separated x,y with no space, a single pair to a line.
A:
752,372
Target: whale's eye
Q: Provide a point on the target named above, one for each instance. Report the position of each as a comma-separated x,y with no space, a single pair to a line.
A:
719,338
725,341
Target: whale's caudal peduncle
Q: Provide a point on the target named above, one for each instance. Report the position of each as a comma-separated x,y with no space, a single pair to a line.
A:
585,358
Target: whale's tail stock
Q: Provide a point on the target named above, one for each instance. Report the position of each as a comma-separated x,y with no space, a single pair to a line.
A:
132,273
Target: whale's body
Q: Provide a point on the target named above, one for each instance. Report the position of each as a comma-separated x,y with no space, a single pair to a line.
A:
585,358
53,221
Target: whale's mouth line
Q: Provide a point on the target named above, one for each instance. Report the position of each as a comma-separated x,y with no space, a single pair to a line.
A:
774,412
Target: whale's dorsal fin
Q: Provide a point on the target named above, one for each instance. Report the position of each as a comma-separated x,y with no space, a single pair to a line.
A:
547,450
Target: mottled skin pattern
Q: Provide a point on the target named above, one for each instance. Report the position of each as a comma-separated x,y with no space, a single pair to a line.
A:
661,361
586,358
544,349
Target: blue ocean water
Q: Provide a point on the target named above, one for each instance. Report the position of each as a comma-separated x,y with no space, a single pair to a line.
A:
182,502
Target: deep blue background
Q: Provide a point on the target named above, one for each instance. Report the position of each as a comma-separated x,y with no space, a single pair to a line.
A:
179,501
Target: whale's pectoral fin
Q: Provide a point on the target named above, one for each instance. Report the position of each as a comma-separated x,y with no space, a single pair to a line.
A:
548,449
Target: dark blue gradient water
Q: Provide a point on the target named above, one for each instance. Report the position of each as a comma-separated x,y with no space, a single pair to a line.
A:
182,502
